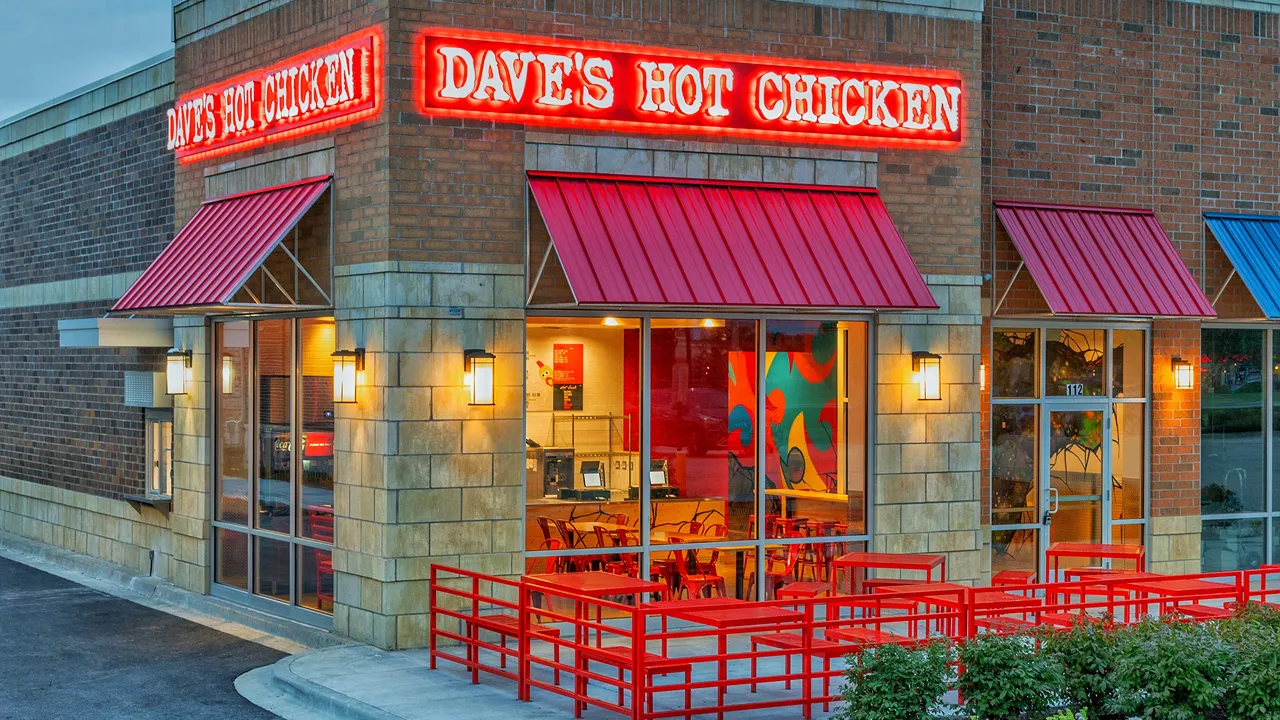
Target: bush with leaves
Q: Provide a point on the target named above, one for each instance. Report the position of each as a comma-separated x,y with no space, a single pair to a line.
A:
1087,655
891,682
1172,670
1253,688
1006,679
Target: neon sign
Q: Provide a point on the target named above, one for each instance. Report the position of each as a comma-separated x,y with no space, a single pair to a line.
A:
546,81
328,87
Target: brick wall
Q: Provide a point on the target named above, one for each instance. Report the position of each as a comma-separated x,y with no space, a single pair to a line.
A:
93,204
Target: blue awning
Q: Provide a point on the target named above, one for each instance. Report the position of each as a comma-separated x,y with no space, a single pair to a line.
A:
1252,243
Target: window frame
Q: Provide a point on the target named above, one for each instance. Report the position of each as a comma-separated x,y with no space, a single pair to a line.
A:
155,418
645,550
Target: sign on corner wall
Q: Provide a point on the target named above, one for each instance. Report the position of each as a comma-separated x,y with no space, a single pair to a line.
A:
569,83
318,90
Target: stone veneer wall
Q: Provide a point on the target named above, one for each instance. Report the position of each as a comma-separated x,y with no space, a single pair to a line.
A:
192,476
928,461
423,477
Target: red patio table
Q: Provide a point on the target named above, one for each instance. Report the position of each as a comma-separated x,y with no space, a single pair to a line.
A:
734,616
1088,551
1170,591
887,561
596,584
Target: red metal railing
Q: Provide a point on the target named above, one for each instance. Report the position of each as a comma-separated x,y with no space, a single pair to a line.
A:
622,656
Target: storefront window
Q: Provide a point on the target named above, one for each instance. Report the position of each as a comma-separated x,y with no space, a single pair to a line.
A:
582,408
1016,365
1075,360
1013,464
1231,420
273,400
700,407
1233,544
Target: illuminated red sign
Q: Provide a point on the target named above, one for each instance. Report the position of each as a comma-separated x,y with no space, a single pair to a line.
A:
545,81
328,87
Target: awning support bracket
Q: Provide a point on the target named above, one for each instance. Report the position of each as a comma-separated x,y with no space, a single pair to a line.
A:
1223,289
298,265
279,287
533,287
1005,294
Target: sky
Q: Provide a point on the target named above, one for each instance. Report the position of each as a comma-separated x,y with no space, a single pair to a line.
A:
51,47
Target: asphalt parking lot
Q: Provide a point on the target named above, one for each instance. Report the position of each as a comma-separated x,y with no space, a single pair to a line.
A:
68,651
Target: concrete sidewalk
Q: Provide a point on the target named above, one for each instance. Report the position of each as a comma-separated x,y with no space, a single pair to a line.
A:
363,683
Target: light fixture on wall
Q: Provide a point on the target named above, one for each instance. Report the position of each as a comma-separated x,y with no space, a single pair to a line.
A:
227,376
478,375
928,373
1184,377
347,365
982,377
177,366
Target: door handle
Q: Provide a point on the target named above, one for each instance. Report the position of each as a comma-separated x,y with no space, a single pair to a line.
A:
1053,501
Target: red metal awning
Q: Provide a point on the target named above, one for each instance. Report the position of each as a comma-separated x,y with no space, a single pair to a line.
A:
1102,261
625,240
220,248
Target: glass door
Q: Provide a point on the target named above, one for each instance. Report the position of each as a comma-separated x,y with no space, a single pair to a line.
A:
1077,495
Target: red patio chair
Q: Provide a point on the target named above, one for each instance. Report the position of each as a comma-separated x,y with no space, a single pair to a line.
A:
779,566
321,519
508,626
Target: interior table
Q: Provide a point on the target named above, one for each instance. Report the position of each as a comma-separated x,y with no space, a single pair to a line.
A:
737,616
738,548
887,561
1090,551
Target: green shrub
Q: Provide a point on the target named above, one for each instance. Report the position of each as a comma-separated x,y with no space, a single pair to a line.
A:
1006,679
1170,670
893,683
1086,655
1253,688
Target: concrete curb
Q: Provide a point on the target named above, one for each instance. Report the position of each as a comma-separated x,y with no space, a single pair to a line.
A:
162,595
278,689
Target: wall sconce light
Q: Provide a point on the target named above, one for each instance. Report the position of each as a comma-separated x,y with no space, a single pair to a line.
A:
177,366
982,377
226,374
928,373
1183,374
347,364
478,375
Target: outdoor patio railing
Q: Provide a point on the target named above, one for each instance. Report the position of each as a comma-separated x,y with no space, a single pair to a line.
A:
622,656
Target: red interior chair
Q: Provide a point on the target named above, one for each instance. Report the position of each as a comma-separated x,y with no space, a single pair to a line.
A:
779,568
616,563
717,531
695,582
321,520
572,538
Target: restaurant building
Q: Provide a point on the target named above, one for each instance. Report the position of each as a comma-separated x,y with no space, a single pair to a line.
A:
342,290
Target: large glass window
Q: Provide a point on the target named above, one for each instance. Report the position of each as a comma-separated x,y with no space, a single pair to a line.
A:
273,415
757,447
1233,450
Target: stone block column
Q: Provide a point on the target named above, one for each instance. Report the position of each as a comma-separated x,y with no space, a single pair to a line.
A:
927,491
422,476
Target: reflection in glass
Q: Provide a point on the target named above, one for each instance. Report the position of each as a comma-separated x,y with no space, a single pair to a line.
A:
1075,471
1128,363
1231,422
582,411
1014,549
1126,535
315,578
815,449
1127,444
1016,363
275,418
271,567
232,558
702,426
1013,464
234,407
317,428
1074,362
1232,544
